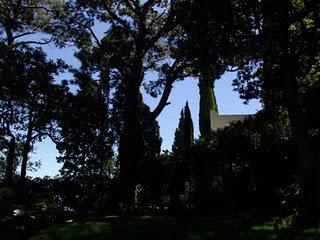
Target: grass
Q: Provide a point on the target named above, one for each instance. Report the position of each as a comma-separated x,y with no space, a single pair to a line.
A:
165,228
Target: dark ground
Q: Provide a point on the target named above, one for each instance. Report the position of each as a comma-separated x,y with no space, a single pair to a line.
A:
166,228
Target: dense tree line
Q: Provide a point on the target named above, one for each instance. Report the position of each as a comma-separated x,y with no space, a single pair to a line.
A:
109,140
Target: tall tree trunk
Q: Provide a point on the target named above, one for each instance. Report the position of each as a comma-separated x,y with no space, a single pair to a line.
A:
10,162
25,153
131,141
310,199
282,51
12,144
310,195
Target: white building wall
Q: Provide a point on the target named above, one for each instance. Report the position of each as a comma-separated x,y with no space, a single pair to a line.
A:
221,121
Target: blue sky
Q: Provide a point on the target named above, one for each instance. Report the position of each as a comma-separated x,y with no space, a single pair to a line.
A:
187,90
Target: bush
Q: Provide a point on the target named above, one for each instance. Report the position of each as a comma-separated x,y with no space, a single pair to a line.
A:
6,198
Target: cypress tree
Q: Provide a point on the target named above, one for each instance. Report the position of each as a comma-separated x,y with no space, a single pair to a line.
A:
177,146
182,165
183,137
188,128
207,103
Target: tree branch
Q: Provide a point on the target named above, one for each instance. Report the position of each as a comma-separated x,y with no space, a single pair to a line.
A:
155,19
116,18
23,34
35,136
165,28
90,29
8,131
171,77
43,42
133,8
95,36
164,99
233,69
147,5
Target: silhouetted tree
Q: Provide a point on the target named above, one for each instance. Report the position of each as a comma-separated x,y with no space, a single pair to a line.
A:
26,75
28,100
279,73
182,157
85,145
141,37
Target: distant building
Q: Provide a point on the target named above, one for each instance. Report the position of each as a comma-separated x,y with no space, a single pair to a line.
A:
220,121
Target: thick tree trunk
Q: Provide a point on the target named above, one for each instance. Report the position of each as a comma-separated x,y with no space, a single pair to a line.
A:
310,191
10,162
276,30
131,141
130,152
310,199
12,144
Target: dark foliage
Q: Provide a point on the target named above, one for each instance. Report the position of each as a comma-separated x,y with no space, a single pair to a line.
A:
109,140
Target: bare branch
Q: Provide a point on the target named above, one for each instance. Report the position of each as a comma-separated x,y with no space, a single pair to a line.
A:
232,69
164,99
23,34
43,42
171,77
92,32
36,136
95,36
